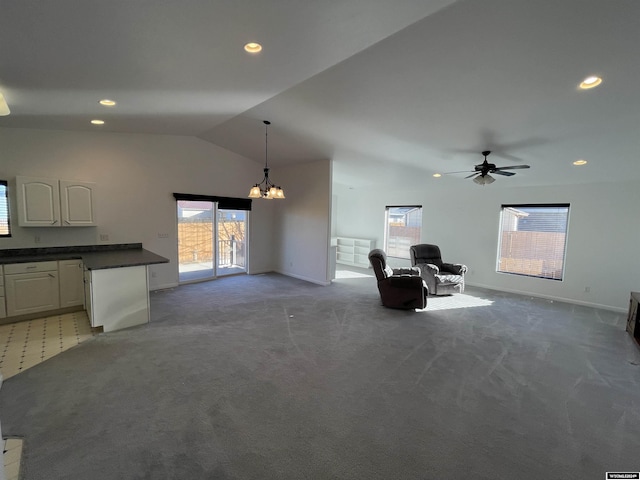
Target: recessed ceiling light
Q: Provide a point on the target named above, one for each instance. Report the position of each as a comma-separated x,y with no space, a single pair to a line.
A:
437,175
580,162
97,122
108,103
253,47
590,82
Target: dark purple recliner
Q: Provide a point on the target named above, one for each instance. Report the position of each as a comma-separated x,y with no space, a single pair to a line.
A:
398,287
442,278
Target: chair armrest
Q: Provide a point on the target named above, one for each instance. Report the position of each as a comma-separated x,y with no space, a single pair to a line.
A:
429,268
404,281
413,271
457,268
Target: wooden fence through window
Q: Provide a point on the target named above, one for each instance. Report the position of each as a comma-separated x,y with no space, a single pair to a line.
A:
532,253
196,241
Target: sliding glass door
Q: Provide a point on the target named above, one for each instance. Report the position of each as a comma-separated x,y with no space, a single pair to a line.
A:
208,249
232,246
195,240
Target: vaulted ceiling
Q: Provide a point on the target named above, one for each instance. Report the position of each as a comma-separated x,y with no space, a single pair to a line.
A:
390,90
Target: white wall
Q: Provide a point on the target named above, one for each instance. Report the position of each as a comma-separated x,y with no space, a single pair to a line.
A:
136,176
303,221
602,244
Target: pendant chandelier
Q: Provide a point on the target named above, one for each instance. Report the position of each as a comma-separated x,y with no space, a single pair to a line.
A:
266,189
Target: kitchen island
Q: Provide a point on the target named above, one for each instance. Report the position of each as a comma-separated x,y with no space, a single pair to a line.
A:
112,281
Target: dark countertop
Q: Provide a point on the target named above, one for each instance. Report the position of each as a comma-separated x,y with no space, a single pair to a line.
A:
121,258
94,257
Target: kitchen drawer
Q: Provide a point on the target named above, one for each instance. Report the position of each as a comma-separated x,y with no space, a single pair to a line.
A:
31,267
3,311
1,282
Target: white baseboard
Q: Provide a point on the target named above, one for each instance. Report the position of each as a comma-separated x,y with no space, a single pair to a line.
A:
551,297
306,279
259,272
163,287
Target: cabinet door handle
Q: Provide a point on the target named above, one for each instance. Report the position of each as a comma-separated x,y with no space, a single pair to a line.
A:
54,222
67,222
52,275
31,266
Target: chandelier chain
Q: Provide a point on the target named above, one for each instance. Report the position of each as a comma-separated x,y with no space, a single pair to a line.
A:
266,188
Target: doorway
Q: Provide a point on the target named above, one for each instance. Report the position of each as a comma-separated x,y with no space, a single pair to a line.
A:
208,249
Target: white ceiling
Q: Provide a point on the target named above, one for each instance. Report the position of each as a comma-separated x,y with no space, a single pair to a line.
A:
391,90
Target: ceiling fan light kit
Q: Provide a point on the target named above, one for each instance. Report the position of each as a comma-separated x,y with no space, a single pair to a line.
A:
484,179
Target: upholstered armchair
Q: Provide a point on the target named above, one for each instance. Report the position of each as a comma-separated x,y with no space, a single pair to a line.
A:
399,287
442,278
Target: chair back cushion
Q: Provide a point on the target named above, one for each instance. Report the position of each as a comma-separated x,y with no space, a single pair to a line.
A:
426,253
378,260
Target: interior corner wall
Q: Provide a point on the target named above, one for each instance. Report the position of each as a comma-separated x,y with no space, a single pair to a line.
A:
136,176
261,235
602,240
303,221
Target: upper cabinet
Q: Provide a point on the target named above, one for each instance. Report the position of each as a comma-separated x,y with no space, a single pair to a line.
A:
77,204
38,202
45,202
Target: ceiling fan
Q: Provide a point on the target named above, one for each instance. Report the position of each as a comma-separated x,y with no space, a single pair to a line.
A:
481,171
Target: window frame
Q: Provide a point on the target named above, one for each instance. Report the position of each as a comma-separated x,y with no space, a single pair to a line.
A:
392,252
5,199
544,262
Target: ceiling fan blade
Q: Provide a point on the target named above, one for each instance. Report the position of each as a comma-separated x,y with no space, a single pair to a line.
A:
473,174
462,171
513,167
506,156
500,172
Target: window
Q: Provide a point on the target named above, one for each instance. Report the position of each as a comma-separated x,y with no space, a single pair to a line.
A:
533,240
5,229
403,226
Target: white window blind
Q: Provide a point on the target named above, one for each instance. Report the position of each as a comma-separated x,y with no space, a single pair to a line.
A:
4,210
533,240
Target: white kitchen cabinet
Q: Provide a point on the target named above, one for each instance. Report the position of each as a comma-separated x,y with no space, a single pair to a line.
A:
38,202
71,283
77,204
117,298
87,296
31,287
3,311
46,202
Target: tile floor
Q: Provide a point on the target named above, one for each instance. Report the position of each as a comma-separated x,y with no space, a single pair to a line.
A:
25,344
12,448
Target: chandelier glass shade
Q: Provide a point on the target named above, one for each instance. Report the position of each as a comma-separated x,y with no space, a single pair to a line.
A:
4,108
266,188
